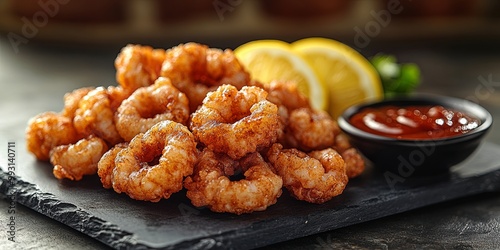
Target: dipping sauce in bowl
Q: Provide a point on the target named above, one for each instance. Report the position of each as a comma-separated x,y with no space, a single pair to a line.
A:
414,122
424,134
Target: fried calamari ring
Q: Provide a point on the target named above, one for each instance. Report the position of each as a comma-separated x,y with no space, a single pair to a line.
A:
106,164
305,128
236,122
138,66
355,163
136,171
150,105
95,116
315,177
76,160
283,93
48,130
342,142
309,129
72,99
116,96
211,186
196,69
288,98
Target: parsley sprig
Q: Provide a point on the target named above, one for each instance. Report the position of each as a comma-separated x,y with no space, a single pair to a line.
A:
397,79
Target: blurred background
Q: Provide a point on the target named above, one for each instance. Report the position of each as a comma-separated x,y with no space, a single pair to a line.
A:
51,47
228,23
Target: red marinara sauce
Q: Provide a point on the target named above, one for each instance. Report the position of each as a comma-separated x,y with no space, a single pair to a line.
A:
414,122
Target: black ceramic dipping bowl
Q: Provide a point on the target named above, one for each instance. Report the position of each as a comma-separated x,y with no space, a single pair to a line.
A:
406,157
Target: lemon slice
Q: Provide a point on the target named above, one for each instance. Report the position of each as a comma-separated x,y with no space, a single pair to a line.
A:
348,76
269,60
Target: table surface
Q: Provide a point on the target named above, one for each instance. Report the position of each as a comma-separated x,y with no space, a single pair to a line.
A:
36,71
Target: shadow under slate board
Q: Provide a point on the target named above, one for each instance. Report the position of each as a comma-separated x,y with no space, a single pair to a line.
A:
121,222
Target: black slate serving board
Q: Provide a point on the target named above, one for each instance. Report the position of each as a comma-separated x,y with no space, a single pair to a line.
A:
121,222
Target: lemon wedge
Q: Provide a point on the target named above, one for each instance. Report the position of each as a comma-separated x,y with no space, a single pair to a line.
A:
269,60
348,76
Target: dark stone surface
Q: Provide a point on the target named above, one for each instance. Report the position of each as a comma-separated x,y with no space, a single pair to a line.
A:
120,222
35,80
466,223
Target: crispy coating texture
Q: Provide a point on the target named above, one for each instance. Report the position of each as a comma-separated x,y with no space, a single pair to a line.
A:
316,177
310,129
245,141
47,130
95,116
72,100
155,163
73,161
211,186
236,122
106,164
342,142
117,95
196,69
283,93
355,163
150,105
138,66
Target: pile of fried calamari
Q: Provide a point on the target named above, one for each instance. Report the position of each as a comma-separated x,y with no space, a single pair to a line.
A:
190,117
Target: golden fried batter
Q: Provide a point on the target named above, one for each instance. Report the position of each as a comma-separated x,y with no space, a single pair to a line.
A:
236,122
211,186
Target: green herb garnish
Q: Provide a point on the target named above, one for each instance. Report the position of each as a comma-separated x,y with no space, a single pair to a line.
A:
397,79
